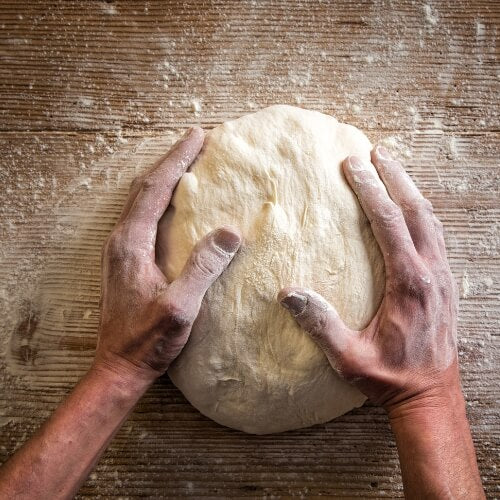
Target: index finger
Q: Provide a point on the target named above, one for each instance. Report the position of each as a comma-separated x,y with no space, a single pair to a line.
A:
386,218
154,191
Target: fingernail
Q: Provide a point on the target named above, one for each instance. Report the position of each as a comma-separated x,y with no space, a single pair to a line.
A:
357,163
294,302
227,241
383,153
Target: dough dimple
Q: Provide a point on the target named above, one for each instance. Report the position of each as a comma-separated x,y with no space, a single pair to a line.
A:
275,174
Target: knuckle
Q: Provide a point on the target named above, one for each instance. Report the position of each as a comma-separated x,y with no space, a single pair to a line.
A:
147,183
412,281
445,292
118,249
143,183
316,324
203,264
444,284
419,206
390,216
178,318
136,182
113,243
439,226
429,288
425,206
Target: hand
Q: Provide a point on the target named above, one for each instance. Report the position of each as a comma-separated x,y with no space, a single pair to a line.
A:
145,321
409,348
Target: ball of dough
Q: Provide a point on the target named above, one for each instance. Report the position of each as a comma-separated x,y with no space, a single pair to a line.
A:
275,174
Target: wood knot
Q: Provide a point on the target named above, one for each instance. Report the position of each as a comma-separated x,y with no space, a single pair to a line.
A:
22,336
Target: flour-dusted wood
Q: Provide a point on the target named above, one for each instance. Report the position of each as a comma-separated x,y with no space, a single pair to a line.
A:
93,93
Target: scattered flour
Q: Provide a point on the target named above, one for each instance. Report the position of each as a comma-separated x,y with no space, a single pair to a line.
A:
480,29
396,144
101,175
300,78
464,285
196,106
478,284
431,16
85,102
453,147
109,8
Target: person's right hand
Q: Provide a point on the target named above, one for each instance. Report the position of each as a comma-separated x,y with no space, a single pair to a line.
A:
408,351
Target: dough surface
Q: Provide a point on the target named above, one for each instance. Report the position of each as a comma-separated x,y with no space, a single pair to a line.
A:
275,174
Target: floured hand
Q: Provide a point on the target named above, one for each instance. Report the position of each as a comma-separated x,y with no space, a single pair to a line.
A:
146,321
409,348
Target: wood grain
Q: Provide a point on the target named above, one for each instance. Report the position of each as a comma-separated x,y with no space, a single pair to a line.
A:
91,93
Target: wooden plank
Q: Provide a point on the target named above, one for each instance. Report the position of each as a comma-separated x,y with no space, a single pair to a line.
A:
138,66
92,93
49,362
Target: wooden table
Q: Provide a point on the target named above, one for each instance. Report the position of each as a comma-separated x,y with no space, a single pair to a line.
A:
91,93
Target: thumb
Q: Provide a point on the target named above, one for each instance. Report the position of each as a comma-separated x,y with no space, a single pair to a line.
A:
207,261
319,319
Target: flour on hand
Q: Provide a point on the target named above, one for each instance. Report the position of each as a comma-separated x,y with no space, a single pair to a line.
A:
276,175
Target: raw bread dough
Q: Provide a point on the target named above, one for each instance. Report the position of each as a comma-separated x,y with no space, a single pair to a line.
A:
275,174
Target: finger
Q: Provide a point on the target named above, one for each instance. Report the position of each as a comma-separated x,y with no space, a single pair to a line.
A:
154,190
320,320
209,258
417,210
440,237
386,218
136,184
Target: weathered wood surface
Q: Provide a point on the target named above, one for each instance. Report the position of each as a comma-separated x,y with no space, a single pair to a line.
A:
93,92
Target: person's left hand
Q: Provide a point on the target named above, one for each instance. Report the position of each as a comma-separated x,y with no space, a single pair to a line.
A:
145,321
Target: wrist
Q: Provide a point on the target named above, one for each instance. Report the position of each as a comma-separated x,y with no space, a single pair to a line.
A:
440,403
444,402
443,393
435,446
120,376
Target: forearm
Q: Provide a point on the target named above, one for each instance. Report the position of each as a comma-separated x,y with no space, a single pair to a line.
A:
435,448
55,462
